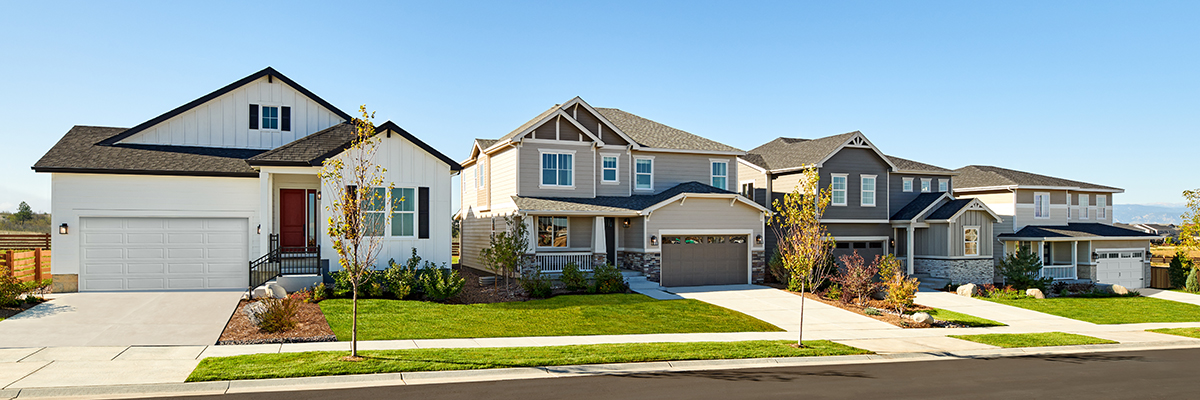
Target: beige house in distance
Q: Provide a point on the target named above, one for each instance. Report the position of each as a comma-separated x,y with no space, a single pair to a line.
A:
601,185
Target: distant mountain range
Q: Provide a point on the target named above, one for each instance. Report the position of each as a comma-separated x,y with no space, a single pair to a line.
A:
1148,213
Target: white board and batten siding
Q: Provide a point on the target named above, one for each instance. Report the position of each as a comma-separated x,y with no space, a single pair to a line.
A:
225,120
409,166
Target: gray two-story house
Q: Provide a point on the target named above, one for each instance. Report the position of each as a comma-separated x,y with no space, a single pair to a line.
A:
880,204
601,185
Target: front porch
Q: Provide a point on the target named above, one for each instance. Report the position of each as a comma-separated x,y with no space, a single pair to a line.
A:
586,241
290,227
1061,259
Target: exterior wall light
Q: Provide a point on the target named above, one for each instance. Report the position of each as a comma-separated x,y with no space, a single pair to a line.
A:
62,229
1095,256
259,229
654,240
758,239
625,223
318,195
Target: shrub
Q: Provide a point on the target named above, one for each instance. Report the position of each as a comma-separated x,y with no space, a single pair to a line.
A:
1058,288
1191,285
537,285
320,292
10,291
441,284
856,278
1023,270
1005,293
402,280
872,311
573,278
608,279
278,315
368,287
833,292
1178,270
776,268
899,289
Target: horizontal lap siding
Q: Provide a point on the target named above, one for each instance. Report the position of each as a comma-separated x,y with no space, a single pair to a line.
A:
632,238
623,185
531,170
900,198
856,162
671,169
476,236
706,214
746,173
503,179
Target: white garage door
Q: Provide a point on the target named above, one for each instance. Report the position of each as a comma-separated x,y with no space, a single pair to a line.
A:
1120,268
163,253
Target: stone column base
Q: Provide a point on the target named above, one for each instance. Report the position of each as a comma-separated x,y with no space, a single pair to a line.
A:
64,283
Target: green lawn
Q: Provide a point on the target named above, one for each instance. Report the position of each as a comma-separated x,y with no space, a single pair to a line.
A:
609,314
1111,310
1009,340
960,318
286,365
1189,332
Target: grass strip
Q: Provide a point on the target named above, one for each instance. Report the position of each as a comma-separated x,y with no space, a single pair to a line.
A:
1188,332
961,319
323,363
1042,339
1111,310
610,314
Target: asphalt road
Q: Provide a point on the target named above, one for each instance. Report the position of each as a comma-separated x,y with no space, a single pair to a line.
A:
1130,375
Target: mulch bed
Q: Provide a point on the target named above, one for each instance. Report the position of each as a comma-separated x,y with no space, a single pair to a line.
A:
9,312
310,327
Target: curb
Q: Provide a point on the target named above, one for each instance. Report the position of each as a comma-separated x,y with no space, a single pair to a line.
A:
565,371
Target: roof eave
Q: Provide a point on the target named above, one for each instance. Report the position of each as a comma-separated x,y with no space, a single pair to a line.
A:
66,170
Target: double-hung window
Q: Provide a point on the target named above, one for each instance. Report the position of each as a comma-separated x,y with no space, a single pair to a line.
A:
274,118
404,211
1101,207
908,187
608,169
720,174
558,169
374,212
1084,203
643,173
925,185
868,191
943,185
480,173
971,241
552,232
837,187
1041,205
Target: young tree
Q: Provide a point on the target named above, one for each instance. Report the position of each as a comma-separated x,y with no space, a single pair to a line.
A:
1179,268
803,244
353,182
509,247
1189,230
1024,270
24,213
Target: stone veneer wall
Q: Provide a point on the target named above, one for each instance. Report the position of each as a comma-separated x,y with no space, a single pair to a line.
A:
1089,272
758,267
649,263
599,259
959,271
64,283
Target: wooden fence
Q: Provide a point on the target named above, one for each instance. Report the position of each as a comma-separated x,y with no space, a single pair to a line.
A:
1160,278
24,241
26,266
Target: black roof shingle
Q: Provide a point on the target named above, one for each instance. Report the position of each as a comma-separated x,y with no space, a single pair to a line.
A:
611,203
79,151
976,176
914,207
1076,230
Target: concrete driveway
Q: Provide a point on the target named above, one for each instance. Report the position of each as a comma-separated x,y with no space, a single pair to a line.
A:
122,319
782,309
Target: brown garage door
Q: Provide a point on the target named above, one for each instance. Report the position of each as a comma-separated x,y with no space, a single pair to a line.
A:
866,250
704,260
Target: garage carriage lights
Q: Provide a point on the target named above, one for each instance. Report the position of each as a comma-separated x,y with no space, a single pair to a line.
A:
654,240
757,239
62,229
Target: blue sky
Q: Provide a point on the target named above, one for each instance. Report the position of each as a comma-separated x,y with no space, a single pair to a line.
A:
1096,91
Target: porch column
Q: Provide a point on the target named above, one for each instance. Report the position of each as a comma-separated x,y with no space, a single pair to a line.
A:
908,248
598,239
265,217
1075,258
1041,257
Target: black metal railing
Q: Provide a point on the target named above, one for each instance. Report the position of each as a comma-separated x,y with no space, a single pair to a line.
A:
291,260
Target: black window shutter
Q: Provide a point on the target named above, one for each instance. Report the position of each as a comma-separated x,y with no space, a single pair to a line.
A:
254,116
285,119
423,213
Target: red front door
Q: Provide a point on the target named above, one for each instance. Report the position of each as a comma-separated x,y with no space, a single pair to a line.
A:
292,213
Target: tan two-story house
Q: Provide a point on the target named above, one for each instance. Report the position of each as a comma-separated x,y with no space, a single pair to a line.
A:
1069,223
601,185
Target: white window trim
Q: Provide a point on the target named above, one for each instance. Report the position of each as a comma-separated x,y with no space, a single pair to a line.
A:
862,190
278,118
416,221
926,185
712,176
1101,206
845,192
978,233
1046,204
539,232
908,185
1085,207
480,182
617,169
541,180
635,173
944,185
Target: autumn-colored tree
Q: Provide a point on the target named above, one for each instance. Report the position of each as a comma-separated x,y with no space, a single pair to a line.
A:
354,184
804,246
1189,230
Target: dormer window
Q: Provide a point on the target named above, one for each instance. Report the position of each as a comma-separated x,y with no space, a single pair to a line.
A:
270,118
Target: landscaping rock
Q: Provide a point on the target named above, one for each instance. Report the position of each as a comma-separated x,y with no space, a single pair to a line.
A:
1121,290
252,311
968,290
922,318
260,293
276,291
1035,293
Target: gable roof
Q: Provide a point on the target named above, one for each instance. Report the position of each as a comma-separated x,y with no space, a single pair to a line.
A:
612,204
313,149
910,165
1075,230
793,153
915,207
268,71
79,152
656,135
949,209
986,176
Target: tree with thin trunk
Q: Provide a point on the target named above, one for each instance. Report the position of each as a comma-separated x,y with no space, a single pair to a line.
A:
1189,230
805,248
354,184
508,249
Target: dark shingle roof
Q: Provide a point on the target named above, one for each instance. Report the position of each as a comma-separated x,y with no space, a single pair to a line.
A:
784,152
973,176
313,149
1073,230
914,207
78,151
948,210
611,203
910,165
655,135
485,143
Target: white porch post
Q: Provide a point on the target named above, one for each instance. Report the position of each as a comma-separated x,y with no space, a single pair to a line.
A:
908,248
1075,258
598,240
1041,257
265,214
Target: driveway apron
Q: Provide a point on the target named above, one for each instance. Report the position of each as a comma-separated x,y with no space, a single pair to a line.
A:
122,319
782,309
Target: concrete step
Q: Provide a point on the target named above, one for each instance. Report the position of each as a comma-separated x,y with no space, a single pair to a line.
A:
931,282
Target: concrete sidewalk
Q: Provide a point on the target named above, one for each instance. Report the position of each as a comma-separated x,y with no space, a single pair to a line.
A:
1015,317
1171,295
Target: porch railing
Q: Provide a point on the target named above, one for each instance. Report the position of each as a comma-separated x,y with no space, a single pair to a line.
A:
1059,272
554,262
279,260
